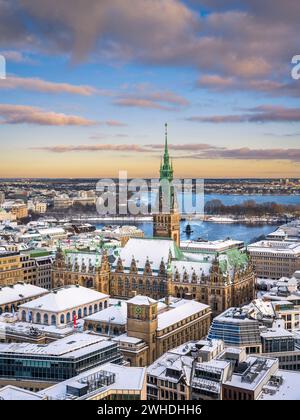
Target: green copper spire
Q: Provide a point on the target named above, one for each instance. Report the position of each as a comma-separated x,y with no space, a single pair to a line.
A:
166,170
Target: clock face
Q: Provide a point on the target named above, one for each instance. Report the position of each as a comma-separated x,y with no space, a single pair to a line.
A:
138,310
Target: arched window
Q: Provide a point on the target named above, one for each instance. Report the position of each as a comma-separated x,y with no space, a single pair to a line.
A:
116,331
68,317
90,310
99,329
6,309
53,320
141,361
46,319
100,306
85,311
62,319
23,316
105,304
106,329
89,283
80,313
95,307
73,315
90,327
38,318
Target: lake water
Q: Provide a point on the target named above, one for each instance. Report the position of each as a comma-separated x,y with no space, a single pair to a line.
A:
212,231
238,199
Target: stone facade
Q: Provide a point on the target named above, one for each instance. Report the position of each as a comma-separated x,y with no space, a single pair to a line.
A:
85,269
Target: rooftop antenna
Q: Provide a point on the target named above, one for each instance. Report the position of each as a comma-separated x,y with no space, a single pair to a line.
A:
166,137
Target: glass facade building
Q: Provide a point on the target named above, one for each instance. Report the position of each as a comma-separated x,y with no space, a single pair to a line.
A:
32,366
236,330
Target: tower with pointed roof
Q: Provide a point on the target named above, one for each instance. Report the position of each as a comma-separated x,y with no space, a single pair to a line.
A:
166,220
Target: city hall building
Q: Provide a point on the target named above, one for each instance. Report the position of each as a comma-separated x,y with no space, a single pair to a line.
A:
218,275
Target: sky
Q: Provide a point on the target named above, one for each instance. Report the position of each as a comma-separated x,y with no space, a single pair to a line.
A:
90,85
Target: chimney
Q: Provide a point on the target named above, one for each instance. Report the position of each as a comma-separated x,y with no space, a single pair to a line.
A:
168,300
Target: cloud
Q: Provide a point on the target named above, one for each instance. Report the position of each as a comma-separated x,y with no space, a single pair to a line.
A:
13,82
115,123
260,114
93,148
246,153
271,87
193,147
156,100
16,57
192,151
24,114
246,44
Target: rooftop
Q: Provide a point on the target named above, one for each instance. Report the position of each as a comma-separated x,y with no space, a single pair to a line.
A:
141,300
66,298
289,389
123,378
116,314
179,313
142,249
20,291
71,346
10,392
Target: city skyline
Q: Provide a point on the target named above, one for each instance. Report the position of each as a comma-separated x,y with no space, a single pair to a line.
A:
88,90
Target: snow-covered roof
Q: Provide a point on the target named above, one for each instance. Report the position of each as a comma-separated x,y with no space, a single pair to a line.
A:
64,299
153,249
179,313
141,300
116,314
219,245
52,231
288,390
13,393
126,378
70,346
171,361
275,247
276,332
20,291
127,339
259,369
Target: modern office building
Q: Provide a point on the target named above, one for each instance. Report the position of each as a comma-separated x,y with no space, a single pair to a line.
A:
236,329
275,259
40,365
105,382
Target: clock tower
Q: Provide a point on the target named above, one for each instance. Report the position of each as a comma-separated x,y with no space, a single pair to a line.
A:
142,322
166,222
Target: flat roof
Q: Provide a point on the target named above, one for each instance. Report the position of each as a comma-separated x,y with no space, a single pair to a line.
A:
288,390
126,378
71,346
11,392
